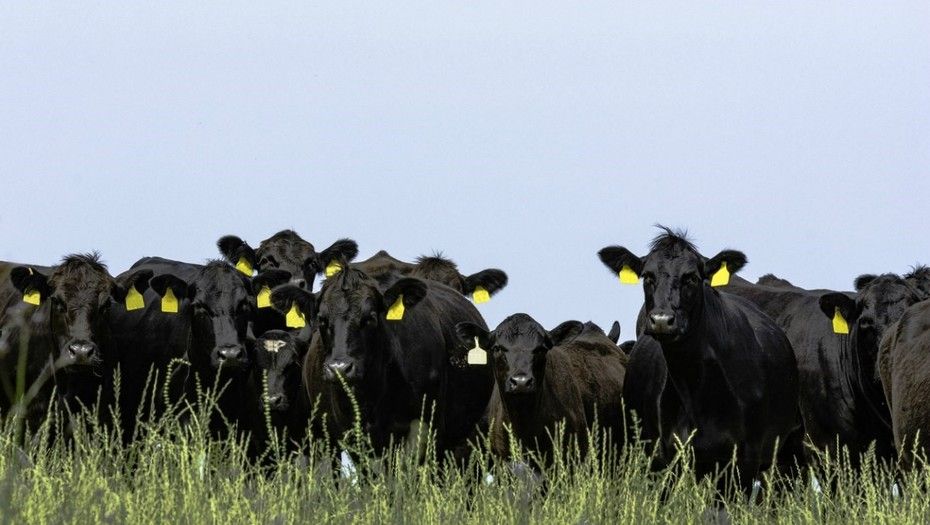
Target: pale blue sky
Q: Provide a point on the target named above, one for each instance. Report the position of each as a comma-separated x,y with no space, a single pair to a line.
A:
522,135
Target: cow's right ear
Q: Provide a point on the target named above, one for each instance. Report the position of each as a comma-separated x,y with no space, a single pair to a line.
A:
622,262
841,309
238,253
166,281
614,334
331,259
287,296
863,280
29,282
123,285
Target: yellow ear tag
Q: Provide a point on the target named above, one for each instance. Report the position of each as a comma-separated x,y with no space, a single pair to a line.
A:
244,266
332,269
169,303
721,277
134,300
263,299
477,355
396,311
295,319
840,326
32,297
480,295
628,276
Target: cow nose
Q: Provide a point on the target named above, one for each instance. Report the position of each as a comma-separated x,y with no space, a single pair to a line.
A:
521,383
230,353
275,400
661,323
82,350
341,366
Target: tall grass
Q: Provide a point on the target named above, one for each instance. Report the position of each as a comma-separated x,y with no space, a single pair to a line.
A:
176,472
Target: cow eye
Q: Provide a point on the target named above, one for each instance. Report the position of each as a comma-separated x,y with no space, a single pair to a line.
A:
690,278
649,278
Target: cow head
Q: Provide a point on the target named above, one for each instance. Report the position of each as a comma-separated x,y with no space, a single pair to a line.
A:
285,250
77,296
220,303
278,356
919,278
352,314
440,269
518,349
675,279
880,301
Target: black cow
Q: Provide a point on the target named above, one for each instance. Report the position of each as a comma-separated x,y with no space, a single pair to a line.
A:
276,375
392,344
708,363
904,367
572,375
199,314
61,314
879,302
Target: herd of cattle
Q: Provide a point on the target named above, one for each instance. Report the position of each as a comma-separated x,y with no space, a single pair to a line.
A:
770,368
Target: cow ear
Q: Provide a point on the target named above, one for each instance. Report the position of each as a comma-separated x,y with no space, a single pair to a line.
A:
484,284
622,262
410,289
863,280
467,332
718,273
614,334
565,332
627,346
179,288
270,278
26,279
122,285
835,303
285,297
332,258
311,267
238,253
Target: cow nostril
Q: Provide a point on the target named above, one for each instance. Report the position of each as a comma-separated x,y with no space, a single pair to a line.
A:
343,367
230,353
521,381
81,350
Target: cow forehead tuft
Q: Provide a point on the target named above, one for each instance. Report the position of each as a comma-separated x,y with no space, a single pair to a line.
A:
518,325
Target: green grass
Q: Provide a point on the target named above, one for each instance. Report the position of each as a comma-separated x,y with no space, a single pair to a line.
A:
176,473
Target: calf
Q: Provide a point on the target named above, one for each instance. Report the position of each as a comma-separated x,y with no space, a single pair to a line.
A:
713,367
572,375
61,315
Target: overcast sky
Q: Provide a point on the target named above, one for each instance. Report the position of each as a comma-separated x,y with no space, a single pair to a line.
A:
518,135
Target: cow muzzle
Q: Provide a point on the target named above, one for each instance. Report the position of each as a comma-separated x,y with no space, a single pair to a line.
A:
82,353
231,356
520,384
344,367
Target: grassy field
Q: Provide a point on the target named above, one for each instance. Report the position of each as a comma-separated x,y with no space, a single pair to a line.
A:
177,473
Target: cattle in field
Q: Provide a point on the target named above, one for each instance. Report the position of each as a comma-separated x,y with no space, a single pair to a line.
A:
195,314
60,317
861,322
391,343
904,366
709,366
570,376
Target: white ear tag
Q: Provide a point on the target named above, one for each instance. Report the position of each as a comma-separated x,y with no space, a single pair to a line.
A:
477,355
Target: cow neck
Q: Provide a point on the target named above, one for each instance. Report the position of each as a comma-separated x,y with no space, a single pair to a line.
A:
861,376
690,358
529,413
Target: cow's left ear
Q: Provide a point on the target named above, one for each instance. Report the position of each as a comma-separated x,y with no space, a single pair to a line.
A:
238,252
405,293
482,285
123,285
33,285
565,332
295,303
614,334
719,267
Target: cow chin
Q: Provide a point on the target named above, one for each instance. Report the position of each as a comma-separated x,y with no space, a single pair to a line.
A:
666,337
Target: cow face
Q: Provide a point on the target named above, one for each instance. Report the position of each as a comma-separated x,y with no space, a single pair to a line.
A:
674,280
351,319
518,347
284,251
77,297
278,355
221,305
880,301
